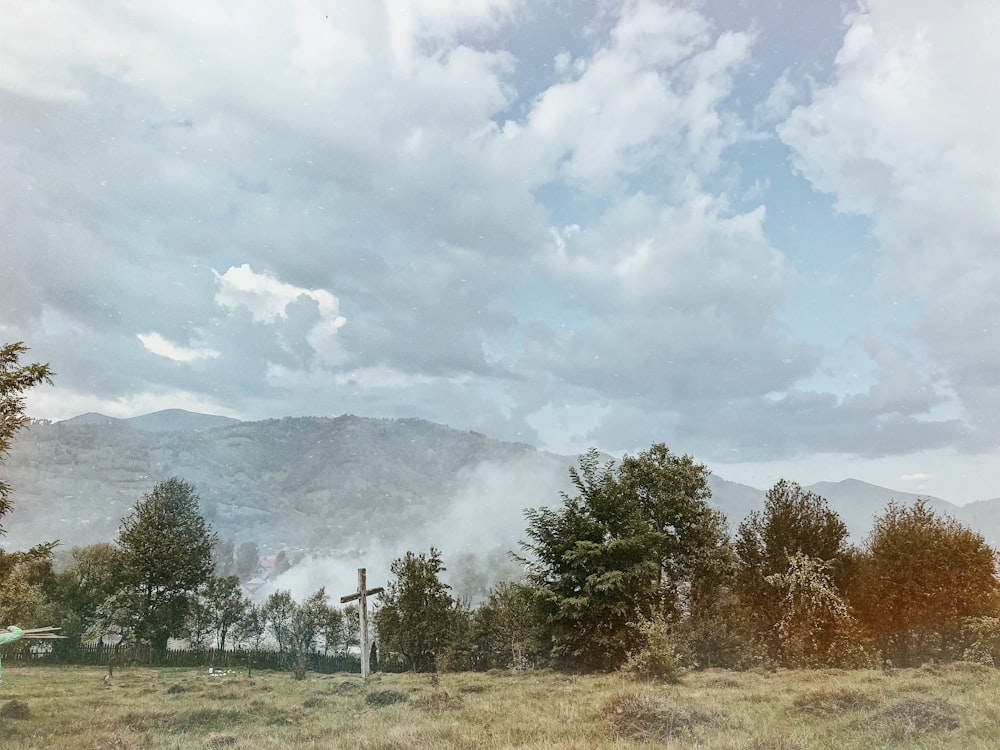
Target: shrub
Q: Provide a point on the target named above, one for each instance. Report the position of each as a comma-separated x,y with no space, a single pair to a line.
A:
656,658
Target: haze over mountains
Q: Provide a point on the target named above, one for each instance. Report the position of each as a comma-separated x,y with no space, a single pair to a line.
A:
333,485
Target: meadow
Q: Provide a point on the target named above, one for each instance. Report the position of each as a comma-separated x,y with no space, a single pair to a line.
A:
76,708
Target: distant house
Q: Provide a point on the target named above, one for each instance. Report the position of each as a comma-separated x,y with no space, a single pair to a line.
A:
265,566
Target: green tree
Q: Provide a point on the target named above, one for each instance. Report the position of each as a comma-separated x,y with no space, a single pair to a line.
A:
921,575
21,594
277,612
417,613
79,589
793,522
634,543
506,629
224,606
164,555
251,629
15,379
297,627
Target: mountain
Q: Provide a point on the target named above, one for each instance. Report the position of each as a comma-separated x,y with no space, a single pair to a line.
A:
167,420
320,483
334,484
859,502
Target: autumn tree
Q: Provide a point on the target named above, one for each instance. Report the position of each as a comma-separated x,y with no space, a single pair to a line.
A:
163,556
635,542
921,575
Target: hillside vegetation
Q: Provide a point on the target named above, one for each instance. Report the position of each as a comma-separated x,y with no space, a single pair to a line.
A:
329,484
324,483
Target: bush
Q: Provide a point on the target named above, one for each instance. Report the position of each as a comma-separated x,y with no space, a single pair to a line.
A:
657,658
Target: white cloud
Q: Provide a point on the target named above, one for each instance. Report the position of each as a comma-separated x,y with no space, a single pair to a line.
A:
906,135
268,298
156,344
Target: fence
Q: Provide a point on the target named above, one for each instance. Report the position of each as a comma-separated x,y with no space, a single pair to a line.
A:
100,654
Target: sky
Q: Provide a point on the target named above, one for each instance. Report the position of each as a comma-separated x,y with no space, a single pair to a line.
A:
763,232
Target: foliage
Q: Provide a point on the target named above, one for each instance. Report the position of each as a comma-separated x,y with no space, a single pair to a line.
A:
15,379
815,628
21,594
297,628
981,636
793,522
921,576
633,542
417,613
216,610
656,657
164,555
506,630
77,590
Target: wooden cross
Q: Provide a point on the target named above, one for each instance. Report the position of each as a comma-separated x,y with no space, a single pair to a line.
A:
362,595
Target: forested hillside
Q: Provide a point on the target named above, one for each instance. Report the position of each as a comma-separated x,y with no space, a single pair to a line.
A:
305,482
329,484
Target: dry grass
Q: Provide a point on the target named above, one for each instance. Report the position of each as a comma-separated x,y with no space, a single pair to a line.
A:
176,709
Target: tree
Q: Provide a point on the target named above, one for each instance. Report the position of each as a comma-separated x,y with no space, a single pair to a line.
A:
297,627
22,574
815,627
921,575
277,612
417,612
224,606
164,555
635,543
79,589
506,630
793,522
15,379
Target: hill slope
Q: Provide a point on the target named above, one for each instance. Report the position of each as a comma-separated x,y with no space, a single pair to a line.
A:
332,484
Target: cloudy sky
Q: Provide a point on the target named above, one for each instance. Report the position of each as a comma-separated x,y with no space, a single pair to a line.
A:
763,232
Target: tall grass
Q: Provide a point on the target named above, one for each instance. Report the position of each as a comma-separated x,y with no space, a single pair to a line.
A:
178,708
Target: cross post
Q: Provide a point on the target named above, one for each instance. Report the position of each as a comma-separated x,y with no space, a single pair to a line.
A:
362,597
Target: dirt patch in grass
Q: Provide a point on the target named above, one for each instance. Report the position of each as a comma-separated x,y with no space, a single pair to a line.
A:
644,716
834,702
15,709
314,700
384,697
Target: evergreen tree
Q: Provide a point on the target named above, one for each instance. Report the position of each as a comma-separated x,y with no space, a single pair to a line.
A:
18,570
417,613
633,544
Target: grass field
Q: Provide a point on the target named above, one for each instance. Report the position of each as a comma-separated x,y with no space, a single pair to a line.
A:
953,706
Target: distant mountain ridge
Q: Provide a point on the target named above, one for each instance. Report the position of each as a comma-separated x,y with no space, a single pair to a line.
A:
334,483
167,420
